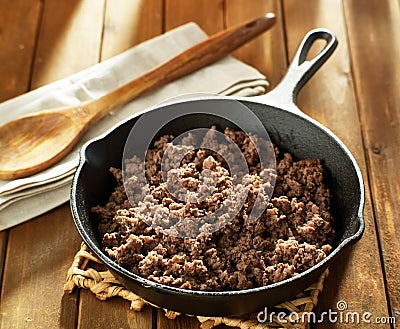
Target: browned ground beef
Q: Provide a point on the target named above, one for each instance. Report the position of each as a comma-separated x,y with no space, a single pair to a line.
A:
293,233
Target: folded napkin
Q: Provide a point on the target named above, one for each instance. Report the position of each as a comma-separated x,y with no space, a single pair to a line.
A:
25,198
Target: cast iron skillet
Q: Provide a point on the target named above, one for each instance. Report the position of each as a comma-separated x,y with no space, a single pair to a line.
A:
290,129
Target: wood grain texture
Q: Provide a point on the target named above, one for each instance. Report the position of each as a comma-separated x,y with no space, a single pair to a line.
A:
128,23
39,253
267,52
375,53
329,98
70,39
18,28
208,14
355,94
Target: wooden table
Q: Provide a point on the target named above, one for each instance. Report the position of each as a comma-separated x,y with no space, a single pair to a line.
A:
356,94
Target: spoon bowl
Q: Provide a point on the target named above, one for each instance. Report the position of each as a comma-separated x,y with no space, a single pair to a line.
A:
37,141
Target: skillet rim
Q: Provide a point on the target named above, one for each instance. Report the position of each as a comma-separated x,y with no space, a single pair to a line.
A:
148,284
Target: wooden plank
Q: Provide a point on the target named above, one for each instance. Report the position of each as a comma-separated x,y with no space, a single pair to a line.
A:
206,13
40,251
3,247
267,52
128,23
179,322
18,29
209,15
95,313
375,54
39,254
329,97
70,39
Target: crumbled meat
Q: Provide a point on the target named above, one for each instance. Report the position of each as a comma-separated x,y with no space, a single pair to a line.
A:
293,233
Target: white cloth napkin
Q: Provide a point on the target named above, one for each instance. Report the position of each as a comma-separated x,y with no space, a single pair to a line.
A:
23,199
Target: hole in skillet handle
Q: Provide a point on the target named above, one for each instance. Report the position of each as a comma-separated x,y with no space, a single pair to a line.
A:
308,67
300,70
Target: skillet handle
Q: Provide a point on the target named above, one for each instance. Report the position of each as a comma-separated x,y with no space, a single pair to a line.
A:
300,70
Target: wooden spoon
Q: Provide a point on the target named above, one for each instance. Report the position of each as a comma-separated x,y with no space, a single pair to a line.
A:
34,142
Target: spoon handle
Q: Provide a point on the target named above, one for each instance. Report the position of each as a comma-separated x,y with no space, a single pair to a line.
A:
190,60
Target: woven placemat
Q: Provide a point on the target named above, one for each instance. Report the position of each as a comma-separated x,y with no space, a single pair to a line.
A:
87,272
